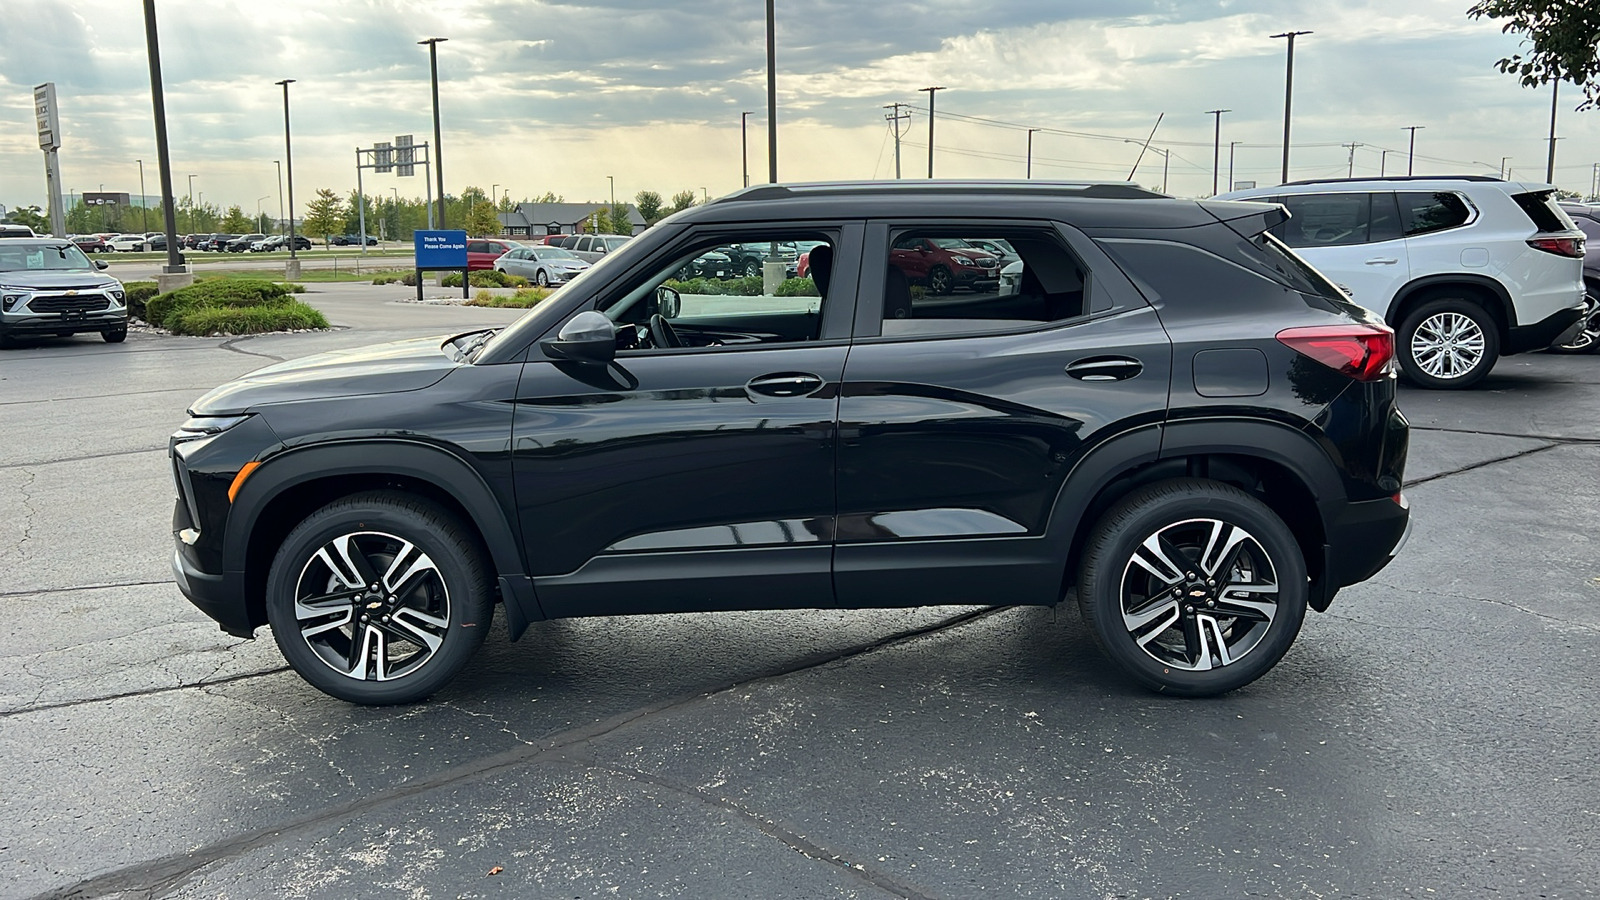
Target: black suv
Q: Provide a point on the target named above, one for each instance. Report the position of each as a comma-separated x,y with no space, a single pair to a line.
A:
1170,416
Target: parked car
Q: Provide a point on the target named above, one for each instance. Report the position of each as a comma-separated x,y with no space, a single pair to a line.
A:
217,242
1587,339
191,241
541,264
127,243
155,242
555,239
748,259
482,252
1175,418
242,243
1010,280
49,287
90,243
943,264
710,264
593,247
7,230
1000,250
1466,268
280,242
352,240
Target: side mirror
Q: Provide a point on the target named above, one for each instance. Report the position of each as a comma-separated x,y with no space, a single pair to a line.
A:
668,302
588,337
101,264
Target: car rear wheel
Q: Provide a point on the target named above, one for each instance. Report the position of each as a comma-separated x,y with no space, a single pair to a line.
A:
379,598
1193,587
1589,338
940,280
1448,344
542,278
752,268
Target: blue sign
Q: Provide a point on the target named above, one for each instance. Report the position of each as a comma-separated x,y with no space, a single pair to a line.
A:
441,249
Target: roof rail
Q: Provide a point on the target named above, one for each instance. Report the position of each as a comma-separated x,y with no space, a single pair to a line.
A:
1101,190
1397,178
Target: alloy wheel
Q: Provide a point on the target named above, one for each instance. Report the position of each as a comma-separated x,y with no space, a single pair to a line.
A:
1586,339
1199,594
939,281
372,606
1448,345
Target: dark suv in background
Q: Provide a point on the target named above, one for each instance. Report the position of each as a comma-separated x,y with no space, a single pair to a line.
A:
1171,419
1587,218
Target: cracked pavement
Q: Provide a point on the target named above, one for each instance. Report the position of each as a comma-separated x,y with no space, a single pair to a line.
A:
1431,735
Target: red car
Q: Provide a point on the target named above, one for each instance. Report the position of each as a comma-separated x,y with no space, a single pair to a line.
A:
944,264
90,243
482,252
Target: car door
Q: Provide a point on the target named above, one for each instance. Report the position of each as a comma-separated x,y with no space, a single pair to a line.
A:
962,415
1354,238
691,477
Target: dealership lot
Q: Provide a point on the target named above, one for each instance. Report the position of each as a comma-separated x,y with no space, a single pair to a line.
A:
1431,735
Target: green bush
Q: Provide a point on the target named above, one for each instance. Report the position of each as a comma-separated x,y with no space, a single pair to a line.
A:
139,293
733,287
384,279
409,279
243,306
522,299
485,278
797,287
451,280
918,292
294,288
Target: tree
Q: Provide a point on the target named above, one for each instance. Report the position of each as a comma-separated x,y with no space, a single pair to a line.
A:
621,222
681,201
324,215
1565,36
483,221
32,217
649,206
549,197
505,205
236,222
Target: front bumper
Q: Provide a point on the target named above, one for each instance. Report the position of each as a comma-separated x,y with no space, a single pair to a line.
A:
25,323
218,595
1542,334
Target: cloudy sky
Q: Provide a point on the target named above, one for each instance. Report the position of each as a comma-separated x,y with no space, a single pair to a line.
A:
555,95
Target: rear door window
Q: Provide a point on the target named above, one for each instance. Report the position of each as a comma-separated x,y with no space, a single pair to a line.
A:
1424,212
1327,220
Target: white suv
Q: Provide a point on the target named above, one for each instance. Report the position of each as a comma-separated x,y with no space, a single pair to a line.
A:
1466,269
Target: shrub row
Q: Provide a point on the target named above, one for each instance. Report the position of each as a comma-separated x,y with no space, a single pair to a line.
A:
742,287
522,299
484,278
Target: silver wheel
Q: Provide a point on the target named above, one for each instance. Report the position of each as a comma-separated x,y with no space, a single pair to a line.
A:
1448,345
1584,341
372,606
1199,594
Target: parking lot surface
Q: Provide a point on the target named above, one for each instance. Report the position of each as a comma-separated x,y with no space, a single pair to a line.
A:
1432,735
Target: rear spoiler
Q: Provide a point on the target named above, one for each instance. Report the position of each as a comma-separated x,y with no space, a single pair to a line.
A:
1248,218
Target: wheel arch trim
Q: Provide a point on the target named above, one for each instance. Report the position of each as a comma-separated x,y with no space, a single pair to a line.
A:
1505,312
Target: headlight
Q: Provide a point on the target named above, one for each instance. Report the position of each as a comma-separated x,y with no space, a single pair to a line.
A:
207,425
11,297
117,296
962,260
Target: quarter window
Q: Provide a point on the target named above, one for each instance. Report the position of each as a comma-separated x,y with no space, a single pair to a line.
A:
1327,220
1425,212
953,281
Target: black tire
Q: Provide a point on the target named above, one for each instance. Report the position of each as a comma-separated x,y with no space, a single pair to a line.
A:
542,278
1180,623
449,599
752,268
115,335
940,281
1465,330
1587,340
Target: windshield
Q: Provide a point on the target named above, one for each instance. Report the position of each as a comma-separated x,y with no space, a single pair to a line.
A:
614,243
952,243
43,258
554,253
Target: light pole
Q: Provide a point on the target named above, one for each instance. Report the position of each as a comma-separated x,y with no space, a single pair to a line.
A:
1383,163
159,106
493,188
1166,161
744,145
1503,161
278,164
1411,154
191,204
1288,96
1216,149
258,208
288,165
705,196
930,92
144,206
772,95
438,152
1030,148
1550,167
613,180
1231,145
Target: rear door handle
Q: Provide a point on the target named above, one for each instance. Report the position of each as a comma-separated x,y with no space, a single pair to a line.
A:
1105,368
785,384
1382,261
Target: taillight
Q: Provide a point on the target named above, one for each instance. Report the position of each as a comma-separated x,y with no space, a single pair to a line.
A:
1565,246
1361,351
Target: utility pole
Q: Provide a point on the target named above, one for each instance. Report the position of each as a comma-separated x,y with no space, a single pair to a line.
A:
292,268
1351,173
1503,161
175,264
1216,150
744,145
1411,154
772,95
1030,150
1288,96
438,150
1231,145
1550,167
931,91
144,206
895,119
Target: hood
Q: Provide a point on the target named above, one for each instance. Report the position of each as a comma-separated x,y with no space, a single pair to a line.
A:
379,369
55,280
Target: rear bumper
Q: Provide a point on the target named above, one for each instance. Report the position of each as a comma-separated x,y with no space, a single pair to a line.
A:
1542,334
1365,538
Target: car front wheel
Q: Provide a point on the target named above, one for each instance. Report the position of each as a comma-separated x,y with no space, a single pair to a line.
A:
1193,587
1448,344
940,281
379,598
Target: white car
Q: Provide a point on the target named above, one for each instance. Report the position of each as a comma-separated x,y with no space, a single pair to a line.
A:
1466,269
129,243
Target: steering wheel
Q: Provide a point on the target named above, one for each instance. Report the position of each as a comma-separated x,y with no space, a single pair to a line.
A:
662,334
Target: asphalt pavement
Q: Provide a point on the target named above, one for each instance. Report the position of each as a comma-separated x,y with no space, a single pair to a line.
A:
1432,735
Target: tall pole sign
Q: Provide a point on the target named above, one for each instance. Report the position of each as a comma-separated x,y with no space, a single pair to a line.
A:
44,110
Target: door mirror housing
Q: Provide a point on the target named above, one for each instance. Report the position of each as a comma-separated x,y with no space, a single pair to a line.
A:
587,337
101,264
668,302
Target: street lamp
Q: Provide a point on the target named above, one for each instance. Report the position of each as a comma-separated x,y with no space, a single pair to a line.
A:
930,91
191,204
278,164
772,96
1030,149
1412,153
1231,145
613,180
288,164
1288,96
144,207
1383,163
438,153
705,196
258,208
1216,149
158,105
493,193
744,145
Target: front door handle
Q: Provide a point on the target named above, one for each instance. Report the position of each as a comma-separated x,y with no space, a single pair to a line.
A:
1105,368
1383,261
785,384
